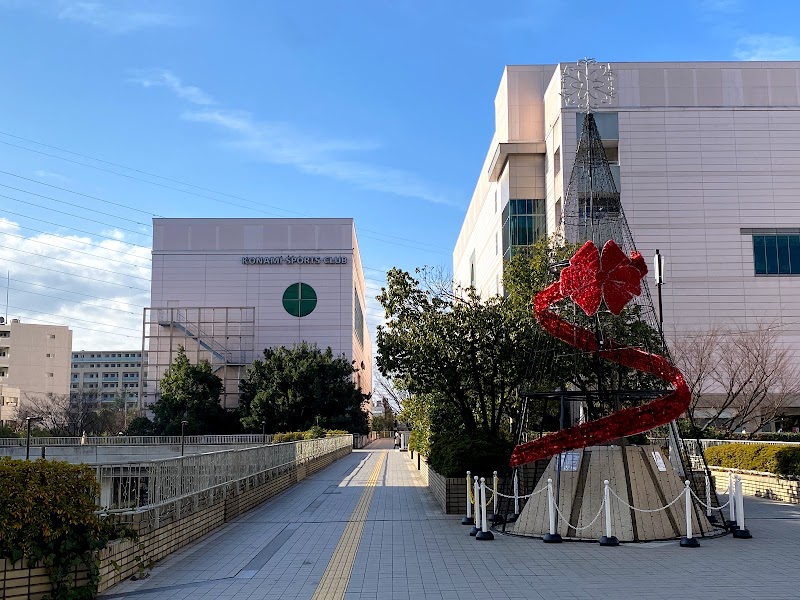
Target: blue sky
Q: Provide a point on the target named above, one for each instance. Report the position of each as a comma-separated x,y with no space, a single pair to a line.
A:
373,109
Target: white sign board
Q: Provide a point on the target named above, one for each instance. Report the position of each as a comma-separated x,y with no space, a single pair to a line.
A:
570,461
659,461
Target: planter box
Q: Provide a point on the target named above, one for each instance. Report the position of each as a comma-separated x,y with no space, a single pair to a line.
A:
451,492
759,485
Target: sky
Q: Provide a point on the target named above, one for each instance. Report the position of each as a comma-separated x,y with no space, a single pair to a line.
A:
114,112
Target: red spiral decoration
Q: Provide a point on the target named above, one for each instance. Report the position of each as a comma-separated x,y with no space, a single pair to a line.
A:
615,278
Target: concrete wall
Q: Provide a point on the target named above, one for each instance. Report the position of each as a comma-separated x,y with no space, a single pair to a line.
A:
114,454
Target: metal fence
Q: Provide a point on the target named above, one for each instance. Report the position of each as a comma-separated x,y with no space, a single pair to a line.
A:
142,440
137,486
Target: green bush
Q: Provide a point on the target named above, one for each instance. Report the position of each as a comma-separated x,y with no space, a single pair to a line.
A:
291,436
768,458
335,432
314,433
452,455
47,517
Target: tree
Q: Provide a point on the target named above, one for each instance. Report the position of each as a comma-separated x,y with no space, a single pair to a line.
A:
381,423
739,379
191,393
473,352
293,389
68,415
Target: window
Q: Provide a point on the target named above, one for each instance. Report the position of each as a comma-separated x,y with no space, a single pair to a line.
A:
49,374
5,334
299,299
52,336
776,254
496,243
50,355
495,200
358,319
523,223
558,213
557,161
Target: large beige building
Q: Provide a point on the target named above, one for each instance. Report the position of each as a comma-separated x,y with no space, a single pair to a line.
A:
34,361
707,159
107,375
226,289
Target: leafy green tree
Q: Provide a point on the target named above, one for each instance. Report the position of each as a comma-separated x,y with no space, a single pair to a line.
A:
191,393
293,389
473,352
381,423
8,432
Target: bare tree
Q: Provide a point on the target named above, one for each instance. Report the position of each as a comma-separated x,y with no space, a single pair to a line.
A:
739,379
62,414
391,393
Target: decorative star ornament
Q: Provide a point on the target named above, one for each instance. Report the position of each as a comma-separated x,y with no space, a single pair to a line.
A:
612,277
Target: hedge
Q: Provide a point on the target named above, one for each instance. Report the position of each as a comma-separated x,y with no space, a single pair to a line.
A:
452,455
47,517
767,458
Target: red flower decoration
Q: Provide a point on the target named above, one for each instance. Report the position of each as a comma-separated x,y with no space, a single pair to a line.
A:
612,277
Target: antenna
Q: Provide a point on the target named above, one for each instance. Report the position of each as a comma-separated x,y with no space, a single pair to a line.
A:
8,284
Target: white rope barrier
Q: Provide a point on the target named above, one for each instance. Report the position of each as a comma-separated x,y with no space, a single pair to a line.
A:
539,491
709,507
646,510
575,527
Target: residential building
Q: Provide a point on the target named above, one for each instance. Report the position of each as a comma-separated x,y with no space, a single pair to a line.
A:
226,289
108,375
34,361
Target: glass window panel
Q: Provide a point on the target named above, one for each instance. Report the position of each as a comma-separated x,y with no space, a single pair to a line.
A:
783,254
794,254
771,246
759,255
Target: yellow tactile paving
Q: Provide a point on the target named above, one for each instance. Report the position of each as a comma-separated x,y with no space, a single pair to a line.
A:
333,584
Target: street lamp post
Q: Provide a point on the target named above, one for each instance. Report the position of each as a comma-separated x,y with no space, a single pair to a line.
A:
263,432
28,438
658,274
183,435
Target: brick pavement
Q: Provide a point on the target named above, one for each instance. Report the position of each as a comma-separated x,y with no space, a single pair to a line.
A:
408,549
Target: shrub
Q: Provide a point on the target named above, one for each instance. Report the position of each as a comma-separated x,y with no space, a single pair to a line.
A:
768,458
291,436
315,432
452,455
335,432
47,517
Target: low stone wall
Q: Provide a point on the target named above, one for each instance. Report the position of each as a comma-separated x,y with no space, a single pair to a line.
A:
163,531
451,492
760,485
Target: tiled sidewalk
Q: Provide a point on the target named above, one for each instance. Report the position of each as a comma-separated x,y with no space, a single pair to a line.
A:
409,549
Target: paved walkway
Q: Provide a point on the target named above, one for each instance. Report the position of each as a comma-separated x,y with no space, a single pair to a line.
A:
365,529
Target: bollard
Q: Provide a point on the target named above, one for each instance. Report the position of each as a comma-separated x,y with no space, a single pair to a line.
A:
712,518
468,520
552,537
495,518
476,493
484,533
689,541
608,539
731,502
741,531
515,516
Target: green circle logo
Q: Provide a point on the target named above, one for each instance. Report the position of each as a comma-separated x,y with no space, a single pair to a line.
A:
299,299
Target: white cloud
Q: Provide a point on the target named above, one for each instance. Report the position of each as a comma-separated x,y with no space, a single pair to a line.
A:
280,143
113,16
167,79
104,310
767,47
42,174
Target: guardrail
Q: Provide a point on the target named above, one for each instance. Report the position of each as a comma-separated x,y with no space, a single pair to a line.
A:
142,440
132,487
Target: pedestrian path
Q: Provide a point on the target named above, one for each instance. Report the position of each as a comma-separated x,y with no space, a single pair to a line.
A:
365,528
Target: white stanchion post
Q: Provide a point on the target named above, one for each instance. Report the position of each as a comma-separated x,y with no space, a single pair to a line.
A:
731,501
688,541
708,496
551,537
476,495
741,531
484,533
495,518
468,520
608,539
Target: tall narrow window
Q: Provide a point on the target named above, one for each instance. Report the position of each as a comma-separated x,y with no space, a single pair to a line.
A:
557,161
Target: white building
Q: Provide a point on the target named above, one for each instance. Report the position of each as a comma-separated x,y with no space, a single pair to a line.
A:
226,289
34,361
707,159
108,375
